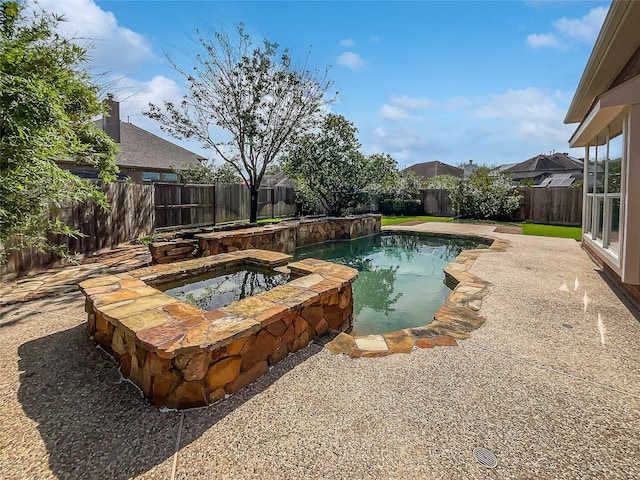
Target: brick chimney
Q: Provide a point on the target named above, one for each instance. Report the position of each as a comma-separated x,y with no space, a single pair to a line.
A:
111,123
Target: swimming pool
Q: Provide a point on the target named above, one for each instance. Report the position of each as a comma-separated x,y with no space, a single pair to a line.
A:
401,277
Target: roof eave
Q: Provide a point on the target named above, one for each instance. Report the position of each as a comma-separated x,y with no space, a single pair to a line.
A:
614,46
608,107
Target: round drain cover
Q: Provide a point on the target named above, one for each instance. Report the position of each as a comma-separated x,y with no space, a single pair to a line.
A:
485,457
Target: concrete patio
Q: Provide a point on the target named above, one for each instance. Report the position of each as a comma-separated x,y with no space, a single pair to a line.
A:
550,384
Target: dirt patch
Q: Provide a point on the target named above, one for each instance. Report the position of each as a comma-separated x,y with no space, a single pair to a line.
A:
508,229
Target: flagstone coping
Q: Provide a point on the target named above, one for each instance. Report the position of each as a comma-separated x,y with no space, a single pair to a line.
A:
454,321
168,327
283,237
181,356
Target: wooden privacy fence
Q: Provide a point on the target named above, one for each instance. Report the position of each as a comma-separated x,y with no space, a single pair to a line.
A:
555,205
278,201
138,210
198,205
186,205
130,217
436,202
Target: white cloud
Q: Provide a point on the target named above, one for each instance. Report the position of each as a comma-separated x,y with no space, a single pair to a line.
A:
568,30
456,103
393,112
405,145
115,47
135,96
347,42
584,29
400,107
532,113
351,60
543,40
411,103
507,127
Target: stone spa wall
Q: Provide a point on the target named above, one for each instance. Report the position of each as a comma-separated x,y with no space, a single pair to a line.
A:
181,356
282,237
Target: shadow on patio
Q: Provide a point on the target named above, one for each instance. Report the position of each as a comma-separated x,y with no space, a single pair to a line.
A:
96,426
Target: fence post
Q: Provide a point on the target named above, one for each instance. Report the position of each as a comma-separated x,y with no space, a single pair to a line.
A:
153,208
213,202
272,194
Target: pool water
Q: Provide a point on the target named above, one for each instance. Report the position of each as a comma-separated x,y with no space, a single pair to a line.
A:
218,289
401,276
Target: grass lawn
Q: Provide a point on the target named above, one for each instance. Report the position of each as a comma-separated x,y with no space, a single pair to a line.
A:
527,228
392,220
552,231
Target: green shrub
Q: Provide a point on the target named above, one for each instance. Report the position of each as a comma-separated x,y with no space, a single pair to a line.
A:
484,196
399,206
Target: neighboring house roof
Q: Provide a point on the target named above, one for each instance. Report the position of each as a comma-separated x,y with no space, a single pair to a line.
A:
428,170
276,180
286,182
271,180
142,149
558,180
506,166
556,162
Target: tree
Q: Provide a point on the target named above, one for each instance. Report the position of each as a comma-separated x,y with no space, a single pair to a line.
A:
254,93
328,168
383,172
484,195
445,182
207,174
47,101
387,182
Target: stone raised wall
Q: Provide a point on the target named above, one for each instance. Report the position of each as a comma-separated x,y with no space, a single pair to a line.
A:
181,356
337,228
275,238
282,237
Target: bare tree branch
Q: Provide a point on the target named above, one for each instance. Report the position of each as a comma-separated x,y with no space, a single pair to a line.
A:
252,92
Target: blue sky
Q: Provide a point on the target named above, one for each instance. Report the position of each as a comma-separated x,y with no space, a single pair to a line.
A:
421,80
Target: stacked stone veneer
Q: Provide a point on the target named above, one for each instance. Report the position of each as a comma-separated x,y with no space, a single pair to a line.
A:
169,251
181,356
283,237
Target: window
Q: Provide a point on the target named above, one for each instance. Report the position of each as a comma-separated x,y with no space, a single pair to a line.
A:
170,177
150,176
614,185
604,183
590,158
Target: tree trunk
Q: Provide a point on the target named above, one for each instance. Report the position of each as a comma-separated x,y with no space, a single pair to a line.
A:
254,205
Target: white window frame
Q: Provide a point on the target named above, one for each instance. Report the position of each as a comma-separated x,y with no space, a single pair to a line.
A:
597,200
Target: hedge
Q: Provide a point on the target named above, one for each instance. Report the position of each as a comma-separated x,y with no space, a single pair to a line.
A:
398,206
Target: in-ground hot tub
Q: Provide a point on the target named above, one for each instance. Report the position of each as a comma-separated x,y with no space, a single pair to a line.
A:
184,356
216,289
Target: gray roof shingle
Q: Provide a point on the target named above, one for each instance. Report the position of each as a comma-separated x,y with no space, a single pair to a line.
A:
140,148
546,163
428,170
